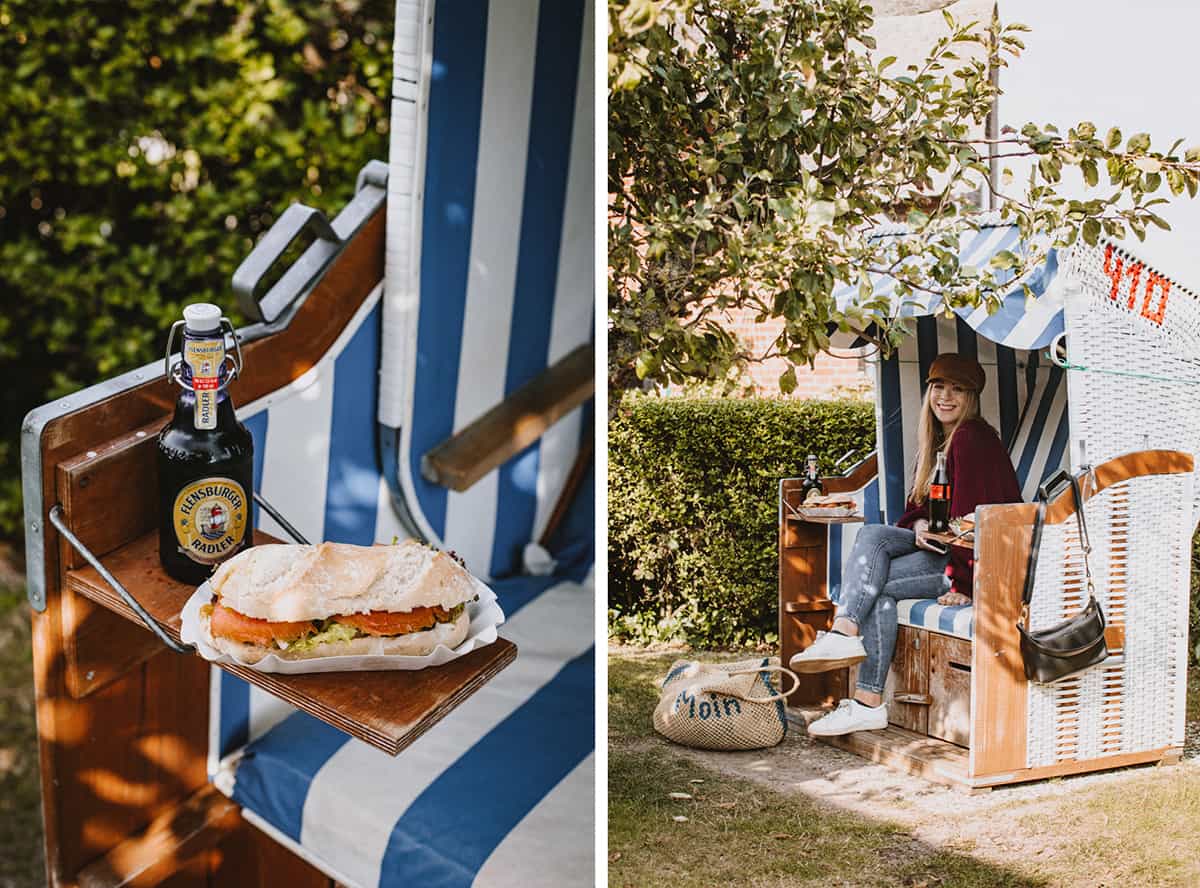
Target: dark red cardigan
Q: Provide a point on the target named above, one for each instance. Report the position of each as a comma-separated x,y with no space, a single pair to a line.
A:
980,473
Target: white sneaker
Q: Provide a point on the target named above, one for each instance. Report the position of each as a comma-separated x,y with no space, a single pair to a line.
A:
850,716
829,651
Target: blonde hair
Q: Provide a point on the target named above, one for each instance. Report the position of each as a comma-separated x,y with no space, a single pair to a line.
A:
931,438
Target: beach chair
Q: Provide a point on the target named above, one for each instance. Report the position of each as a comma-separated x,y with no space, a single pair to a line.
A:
399,382
961,710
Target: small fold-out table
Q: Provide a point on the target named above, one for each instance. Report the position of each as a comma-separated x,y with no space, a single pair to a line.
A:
388,710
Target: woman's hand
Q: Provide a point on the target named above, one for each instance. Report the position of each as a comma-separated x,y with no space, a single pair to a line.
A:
953,599
921,529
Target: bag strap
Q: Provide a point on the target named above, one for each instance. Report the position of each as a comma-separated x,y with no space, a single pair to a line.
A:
1036,540
781,695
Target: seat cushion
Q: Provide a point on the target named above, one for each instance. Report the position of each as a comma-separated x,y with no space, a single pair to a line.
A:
499,793
926,613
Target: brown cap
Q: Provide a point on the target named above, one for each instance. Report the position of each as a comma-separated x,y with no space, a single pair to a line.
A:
957,368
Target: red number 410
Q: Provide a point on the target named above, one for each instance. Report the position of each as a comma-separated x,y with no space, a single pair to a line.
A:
1115,268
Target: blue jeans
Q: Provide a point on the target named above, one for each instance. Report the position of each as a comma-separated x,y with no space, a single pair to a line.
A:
885,565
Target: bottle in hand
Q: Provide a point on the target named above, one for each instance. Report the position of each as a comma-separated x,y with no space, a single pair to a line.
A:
939,497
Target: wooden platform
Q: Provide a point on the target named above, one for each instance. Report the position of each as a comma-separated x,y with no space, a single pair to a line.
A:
941,762
926,757
388,710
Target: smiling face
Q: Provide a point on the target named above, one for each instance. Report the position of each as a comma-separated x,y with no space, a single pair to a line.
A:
948,400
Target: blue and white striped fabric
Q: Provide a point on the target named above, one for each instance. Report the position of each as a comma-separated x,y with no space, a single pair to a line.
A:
1025,399
1017,324
488,281
926,613
900,386
490,252
453,809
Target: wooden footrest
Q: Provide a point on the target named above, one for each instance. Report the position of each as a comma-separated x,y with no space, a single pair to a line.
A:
389,710
167,844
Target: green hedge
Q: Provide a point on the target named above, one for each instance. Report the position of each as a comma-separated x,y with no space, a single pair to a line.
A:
146,146
693,499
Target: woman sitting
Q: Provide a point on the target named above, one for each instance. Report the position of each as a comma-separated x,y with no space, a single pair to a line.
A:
893,563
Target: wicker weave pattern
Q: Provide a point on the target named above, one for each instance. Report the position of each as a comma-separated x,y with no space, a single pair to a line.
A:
1136,701
1107,334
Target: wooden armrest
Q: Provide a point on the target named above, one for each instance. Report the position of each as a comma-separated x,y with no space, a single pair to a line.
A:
514,424
167,844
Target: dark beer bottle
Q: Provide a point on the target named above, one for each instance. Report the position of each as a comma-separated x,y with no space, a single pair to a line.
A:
205,457
812,480
939,496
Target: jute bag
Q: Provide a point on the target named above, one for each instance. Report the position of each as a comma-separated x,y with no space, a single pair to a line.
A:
723,705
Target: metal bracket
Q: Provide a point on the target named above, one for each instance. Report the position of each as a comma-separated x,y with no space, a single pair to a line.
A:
56,518
303,275
295,220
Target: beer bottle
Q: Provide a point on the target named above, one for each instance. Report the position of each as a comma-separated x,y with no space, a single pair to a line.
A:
205,456
812,481
939,496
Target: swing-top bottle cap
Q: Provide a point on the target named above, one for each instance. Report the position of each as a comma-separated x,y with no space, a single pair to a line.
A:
202,317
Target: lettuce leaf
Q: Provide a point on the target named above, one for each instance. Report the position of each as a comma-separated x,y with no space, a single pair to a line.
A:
331,631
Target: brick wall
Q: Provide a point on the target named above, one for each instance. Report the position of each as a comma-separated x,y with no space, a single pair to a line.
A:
829,377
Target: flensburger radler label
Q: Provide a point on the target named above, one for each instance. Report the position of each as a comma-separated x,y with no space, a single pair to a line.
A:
205,357
210,519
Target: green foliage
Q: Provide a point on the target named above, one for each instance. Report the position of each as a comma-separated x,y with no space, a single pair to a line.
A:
754,146
146,147
693,490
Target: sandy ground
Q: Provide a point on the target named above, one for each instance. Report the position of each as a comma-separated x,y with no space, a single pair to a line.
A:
988,824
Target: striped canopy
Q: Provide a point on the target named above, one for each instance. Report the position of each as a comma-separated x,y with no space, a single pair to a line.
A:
1019,323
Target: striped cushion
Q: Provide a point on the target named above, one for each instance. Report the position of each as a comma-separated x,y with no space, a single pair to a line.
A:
468,803
926,613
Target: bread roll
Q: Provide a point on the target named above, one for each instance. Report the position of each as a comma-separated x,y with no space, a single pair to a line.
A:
286,583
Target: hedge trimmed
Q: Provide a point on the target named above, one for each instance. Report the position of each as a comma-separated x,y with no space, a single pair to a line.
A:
693,499
147,145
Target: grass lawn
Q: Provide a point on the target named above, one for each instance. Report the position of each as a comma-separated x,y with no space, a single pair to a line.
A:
20,794
1134,827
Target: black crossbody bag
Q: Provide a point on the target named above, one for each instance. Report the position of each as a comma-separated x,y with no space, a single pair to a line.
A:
1077,643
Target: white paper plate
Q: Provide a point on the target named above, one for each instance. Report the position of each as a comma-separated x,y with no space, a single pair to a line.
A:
839,512
485,616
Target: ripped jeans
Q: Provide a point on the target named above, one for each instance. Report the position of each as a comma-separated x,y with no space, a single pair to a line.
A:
885,565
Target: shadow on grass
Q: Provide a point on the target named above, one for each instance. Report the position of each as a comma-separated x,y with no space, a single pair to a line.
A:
739,832
21,863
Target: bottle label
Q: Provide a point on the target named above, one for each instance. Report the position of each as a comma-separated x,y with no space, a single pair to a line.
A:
939,491
210,519
205,357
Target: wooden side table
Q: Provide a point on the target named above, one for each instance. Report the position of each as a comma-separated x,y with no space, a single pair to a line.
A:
804,605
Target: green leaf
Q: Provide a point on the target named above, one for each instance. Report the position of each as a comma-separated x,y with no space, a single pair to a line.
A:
1090,174
1114,138
1091,232
1005,259
787,381
647,365
1138,143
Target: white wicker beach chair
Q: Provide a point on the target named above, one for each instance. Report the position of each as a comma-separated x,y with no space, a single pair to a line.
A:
957,676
